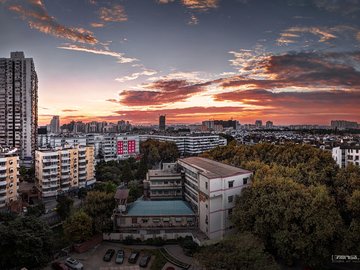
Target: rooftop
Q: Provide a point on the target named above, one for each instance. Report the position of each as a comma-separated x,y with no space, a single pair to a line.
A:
121,194
159,208
213,169
153,173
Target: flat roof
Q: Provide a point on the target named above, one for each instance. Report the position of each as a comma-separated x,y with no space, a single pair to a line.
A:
160,208
153,173
213,169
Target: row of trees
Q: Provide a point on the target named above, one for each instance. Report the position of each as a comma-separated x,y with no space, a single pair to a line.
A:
300,204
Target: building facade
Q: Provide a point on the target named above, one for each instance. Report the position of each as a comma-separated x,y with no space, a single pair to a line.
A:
345,155
18,105
211,188
164,184
9,178
162,122
64,169
192,144
55,124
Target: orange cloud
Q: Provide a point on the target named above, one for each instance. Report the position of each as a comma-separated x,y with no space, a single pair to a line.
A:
161,92
114,14
37,17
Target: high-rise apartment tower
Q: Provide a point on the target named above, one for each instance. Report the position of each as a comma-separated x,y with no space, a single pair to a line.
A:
18,104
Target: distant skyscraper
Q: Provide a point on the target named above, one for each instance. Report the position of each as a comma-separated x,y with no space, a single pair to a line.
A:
55,124
269,124
258,123
162,122
18,104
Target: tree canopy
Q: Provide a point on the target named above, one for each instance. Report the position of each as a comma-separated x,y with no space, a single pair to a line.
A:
25,242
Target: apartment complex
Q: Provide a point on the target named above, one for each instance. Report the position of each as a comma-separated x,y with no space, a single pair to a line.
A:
191,144
164,184
343,124
63,169
211,188
9,177
18,104
345,155
106,146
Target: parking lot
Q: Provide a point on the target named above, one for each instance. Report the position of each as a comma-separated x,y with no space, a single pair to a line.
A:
93,259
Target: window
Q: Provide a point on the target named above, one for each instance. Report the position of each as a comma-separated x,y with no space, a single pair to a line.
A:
134,220
206,185
230,199
231,184
245,180
230,212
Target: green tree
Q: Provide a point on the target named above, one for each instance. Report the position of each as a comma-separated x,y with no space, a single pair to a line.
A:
64,206
99,206
134,191
290,218
36,210
142,168
25,242
241,251
127,174
78,227
82,193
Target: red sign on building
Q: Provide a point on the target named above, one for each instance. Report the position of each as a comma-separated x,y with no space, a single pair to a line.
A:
120,147
131,146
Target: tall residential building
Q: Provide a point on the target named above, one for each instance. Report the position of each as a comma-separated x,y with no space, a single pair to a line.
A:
63,169
9,177
55,124
162,122
18,104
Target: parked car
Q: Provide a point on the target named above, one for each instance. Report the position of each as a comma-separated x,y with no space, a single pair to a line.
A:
120,256
144,260
133,257
108,255
74,264
59,266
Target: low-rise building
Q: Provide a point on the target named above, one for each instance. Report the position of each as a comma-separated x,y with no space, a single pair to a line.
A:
345,155
63,169
190,144
164,184
9,177
211,188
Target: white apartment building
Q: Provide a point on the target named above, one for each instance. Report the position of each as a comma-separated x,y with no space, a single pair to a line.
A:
211,188
345,155
191,144
106,146
18,105
53,141
9,178
63,169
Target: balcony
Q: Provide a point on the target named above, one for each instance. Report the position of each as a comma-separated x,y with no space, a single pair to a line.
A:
3,183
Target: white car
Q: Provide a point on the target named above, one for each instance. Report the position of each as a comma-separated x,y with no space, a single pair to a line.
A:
74,264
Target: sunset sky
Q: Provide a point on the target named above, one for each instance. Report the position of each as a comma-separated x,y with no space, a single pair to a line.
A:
289,61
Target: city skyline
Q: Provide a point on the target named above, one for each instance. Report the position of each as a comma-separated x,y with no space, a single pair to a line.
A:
291,62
